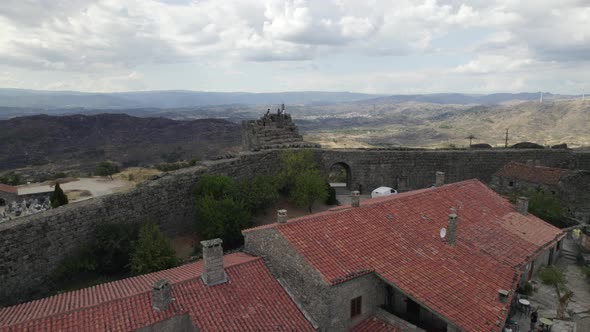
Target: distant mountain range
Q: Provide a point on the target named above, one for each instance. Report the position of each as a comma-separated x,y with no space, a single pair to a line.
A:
80,141
15,102
164,99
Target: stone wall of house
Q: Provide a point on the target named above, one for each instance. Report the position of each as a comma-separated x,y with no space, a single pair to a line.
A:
285,263
32,247
575,193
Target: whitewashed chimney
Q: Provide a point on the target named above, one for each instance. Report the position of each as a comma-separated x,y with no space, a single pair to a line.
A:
522,205
355,198
451,229
440,179
213,271
282,216
161,295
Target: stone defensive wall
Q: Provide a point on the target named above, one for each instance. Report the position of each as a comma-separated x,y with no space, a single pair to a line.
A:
32,247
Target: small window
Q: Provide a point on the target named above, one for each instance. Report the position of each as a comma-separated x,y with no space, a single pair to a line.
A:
511,184
355,306
559,245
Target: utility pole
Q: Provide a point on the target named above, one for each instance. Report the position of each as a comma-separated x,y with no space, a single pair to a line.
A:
506,140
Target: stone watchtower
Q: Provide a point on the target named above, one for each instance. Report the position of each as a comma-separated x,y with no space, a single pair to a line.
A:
271,131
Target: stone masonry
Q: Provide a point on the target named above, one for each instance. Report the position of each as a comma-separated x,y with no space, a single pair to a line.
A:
276,130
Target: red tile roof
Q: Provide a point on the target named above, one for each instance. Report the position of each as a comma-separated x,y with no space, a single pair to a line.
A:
251,300
374,324
397,237
8,189
532,174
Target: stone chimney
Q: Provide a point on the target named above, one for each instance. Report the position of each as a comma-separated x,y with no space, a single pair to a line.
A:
522,205
282,216
451,229
161,295
440,179
355,198
213,272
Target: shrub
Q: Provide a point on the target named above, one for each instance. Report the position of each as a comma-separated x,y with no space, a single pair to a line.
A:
106,168
58,198
551,275
152,251
331,199
526,289
81,263
113,245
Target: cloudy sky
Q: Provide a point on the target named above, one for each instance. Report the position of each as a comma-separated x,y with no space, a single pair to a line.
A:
374,46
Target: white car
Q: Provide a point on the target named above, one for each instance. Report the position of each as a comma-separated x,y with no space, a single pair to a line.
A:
383,191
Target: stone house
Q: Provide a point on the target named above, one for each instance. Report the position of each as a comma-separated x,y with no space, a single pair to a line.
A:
8,194
235,292
570,186
390,259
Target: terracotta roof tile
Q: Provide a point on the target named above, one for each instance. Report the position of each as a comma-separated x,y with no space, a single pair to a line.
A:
251,300
398,238
532,174
374,324
8,189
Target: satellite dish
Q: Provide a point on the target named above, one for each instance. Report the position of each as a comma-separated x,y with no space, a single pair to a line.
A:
443,233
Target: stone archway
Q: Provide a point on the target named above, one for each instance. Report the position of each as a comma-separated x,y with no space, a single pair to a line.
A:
340,176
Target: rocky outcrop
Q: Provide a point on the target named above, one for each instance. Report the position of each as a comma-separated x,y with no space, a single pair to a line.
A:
272,131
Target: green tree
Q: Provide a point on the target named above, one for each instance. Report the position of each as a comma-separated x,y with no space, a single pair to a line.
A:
546,206
11,179
58,198
152,251
107,168
309,187
217,187
219,212
222,218
294,163
113,245
258,193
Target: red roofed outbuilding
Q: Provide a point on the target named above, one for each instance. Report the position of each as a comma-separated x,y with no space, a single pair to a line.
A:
569,186
348,265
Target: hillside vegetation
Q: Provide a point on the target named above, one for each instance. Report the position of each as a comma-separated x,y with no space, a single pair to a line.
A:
436,125
83,141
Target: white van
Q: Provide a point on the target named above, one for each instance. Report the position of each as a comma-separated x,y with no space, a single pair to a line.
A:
383,191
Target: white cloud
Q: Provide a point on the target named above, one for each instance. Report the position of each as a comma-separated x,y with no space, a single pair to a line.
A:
115,37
